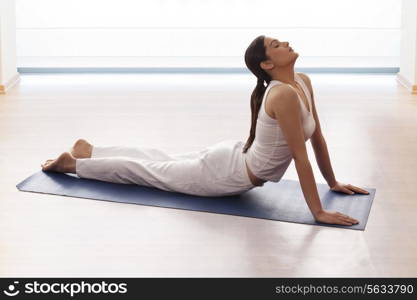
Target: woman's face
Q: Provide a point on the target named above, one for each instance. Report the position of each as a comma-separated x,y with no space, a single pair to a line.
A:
278,52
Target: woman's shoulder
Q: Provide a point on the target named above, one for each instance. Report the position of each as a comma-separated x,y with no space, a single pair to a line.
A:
278,94
281,90
303,76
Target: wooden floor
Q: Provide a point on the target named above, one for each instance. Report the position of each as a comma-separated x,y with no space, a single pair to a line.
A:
370,124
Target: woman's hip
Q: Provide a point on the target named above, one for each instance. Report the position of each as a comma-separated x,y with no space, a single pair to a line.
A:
223,169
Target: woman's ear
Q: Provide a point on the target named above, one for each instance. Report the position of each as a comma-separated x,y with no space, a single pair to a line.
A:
267,65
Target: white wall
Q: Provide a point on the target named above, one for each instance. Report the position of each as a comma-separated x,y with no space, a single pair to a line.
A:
408,63
182,33
8,71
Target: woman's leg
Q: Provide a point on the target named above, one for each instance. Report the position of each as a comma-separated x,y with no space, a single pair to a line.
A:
142,153
218,171
171,175
83,149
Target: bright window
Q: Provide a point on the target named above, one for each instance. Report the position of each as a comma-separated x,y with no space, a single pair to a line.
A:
204,33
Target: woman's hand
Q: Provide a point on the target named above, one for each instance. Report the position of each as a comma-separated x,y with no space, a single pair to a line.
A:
334,217
347,189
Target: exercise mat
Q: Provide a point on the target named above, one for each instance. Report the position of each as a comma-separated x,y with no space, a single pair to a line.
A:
280,201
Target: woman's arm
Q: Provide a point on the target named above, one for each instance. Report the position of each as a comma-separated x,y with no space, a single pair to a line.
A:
322,154
287,112
323,161
318,142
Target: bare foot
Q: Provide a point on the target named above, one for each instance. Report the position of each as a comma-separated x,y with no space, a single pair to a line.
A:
81,149
65,163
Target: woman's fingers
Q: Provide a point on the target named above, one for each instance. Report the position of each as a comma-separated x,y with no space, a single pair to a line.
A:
335,217
357,189
343,221
352,220
351,189
347,191
348,219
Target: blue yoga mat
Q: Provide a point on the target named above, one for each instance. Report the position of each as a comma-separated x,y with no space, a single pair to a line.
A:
281,201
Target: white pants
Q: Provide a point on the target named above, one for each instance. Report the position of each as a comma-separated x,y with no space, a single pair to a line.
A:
217,170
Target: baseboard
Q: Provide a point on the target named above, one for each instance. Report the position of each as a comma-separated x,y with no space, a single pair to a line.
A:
22,70
9,84
407,84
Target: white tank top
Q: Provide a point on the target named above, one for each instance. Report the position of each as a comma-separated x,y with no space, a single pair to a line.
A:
269,155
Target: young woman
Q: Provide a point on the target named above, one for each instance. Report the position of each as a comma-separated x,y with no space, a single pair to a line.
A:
284,117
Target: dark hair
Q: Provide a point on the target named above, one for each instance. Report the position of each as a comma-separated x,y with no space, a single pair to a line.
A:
254,55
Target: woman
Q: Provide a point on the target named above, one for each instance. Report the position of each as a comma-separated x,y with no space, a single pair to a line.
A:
283,118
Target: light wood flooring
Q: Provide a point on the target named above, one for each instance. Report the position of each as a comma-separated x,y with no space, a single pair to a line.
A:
369,122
